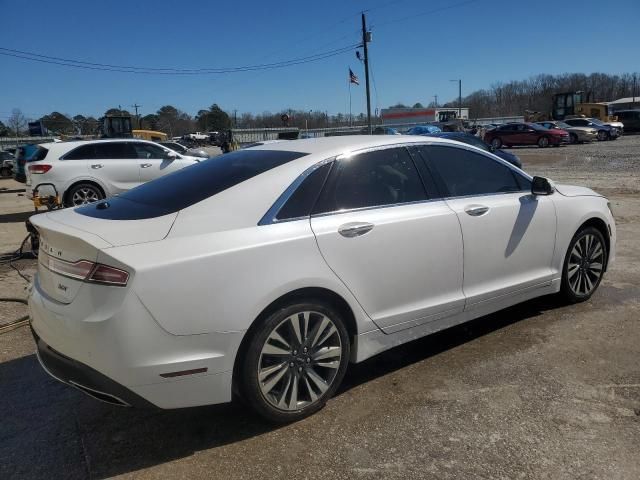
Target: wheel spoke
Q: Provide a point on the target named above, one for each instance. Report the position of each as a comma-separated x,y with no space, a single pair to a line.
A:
283,394
332,364
596,267
278,338
294,321
270,349
597,252
268,386
328,332
317,380
267,371
327,352
587,283
312,394
293,398
573,269
319,329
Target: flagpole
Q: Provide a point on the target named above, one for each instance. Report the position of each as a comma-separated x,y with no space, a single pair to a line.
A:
350,116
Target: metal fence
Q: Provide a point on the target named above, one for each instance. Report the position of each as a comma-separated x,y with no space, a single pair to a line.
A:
251,135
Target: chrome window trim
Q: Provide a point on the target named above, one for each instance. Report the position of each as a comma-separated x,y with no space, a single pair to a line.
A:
269,218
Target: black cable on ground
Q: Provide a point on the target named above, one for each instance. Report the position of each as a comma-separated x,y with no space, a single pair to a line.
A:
10,258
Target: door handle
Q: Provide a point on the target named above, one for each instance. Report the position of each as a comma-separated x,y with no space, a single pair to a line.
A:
476,210
146,165
354,229
96,166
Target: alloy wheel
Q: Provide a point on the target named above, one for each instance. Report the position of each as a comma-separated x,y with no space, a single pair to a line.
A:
299,361
586,265
85,195
543,142
602,135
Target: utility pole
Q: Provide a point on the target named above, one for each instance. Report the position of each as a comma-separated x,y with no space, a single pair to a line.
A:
633,93
459,96
435,97
136,106
366,37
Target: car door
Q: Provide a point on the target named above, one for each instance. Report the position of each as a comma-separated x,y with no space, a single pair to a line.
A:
154,161
112,163
397,247
508,233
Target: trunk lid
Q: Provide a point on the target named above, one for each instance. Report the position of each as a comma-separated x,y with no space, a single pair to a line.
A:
70,237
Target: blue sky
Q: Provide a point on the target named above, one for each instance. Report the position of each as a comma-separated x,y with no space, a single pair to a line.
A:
414,53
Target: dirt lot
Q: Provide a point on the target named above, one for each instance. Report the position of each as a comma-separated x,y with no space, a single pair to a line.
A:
537,391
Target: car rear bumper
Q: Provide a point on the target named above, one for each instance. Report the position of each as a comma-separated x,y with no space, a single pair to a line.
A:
115,351
85,378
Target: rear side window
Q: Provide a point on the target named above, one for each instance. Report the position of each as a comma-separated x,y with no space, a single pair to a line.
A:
304,198
462,172
147,151
372,179
85,152
189,185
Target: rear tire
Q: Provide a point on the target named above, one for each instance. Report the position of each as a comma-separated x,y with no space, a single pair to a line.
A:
573,138
294,361
496,143
584,265
602,135
82,194
5,172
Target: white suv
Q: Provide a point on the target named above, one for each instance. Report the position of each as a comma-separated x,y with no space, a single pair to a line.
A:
87,171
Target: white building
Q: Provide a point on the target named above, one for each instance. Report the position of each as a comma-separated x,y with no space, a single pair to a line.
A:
422,115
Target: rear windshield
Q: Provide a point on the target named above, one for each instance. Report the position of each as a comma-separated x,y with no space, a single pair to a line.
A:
190,185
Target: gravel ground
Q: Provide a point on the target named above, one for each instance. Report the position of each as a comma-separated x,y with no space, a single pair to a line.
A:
538,391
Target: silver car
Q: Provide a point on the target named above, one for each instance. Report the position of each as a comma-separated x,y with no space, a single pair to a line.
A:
576,134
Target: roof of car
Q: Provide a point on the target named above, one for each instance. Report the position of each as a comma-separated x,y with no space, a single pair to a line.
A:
77,143
346,143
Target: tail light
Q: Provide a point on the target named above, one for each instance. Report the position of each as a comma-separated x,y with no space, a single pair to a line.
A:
86,271
42,168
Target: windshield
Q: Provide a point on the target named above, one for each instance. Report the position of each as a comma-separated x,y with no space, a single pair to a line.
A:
190,185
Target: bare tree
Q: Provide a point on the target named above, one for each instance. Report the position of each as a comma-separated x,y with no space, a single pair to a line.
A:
17,121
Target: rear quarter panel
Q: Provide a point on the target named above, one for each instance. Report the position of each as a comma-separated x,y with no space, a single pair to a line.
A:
220,282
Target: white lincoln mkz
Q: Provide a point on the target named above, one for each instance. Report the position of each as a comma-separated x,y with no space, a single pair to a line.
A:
265,271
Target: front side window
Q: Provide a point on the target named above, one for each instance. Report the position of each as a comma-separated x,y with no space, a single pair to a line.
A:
372,179
147,151
462,172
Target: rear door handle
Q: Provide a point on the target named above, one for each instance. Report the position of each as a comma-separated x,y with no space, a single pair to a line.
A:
476,210
354,229
146,165
96,166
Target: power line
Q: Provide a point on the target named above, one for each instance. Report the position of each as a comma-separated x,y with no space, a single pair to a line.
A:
421,14
36,57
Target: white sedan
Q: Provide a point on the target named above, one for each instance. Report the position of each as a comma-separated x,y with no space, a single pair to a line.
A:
265,271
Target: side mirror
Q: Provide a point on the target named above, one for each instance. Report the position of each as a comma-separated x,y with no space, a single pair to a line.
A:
172,155
541,186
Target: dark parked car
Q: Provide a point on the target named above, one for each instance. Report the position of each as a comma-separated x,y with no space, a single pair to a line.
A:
380,131
605,132
423,130
6,163
478,142
630,119
24,153
511,134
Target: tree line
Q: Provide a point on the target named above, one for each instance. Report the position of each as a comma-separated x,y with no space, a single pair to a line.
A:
535,93
500,99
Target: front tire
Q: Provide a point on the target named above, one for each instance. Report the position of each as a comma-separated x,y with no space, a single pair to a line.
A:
573,138
295,361
584,265
602,135
496,143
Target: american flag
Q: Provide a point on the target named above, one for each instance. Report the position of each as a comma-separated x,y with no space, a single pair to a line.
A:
353,78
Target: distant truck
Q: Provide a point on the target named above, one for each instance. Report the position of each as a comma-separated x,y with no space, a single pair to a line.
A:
198,136
423,115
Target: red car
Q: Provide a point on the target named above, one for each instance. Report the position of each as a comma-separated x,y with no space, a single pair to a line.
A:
525,134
